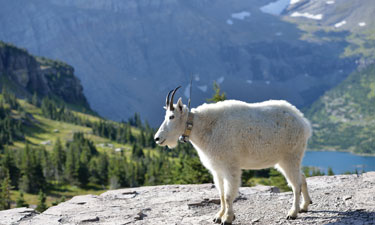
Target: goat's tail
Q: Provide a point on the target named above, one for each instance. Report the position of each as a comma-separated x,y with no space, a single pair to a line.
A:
306,123
307,128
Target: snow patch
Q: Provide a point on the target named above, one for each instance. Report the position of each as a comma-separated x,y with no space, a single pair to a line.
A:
240,15
278,33
220,80
294,1
307,15
196,77
340,24
275,8
361,24
249,81
203,88
229,22
330,2
268,82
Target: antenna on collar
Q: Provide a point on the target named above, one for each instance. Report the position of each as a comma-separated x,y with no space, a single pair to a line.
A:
191,86
184,138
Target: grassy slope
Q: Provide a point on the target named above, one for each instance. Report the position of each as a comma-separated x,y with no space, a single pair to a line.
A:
44,129
344,118
49,130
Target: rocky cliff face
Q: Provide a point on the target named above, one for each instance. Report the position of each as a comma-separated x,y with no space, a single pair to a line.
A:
343,199
26,74
129,54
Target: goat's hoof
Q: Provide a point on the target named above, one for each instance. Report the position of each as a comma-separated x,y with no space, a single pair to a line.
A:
303,211
291,217
310,202
226,223
217,220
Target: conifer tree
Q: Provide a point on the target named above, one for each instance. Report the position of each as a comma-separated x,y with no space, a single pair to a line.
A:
20,202
8,166
129,137
31,169
25,169
137,152
58,160
71,165
34,100
142,138
41,207
217,96
117,172
330,172
5,193
194,172
99,169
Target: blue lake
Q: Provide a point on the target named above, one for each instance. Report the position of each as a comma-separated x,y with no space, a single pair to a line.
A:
340,162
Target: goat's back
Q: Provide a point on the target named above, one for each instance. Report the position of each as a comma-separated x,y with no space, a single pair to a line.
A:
259,132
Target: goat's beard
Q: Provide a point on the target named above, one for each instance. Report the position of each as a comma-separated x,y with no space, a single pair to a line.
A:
172,145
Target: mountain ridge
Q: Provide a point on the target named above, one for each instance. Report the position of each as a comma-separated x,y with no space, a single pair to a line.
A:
26,75
127,51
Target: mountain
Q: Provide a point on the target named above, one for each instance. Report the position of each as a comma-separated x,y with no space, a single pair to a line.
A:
129,54
331,21
344,117
25,74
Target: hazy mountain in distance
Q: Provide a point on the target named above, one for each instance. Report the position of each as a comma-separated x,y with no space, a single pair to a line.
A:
129,54
344,117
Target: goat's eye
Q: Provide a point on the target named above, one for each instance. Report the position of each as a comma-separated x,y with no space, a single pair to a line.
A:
171,117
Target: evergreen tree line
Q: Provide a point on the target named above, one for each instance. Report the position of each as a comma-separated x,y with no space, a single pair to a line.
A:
79,163
119,132
122,133
54,111
10,128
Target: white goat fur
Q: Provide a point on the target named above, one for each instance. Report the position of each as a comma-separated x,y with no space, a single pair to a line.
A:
234,135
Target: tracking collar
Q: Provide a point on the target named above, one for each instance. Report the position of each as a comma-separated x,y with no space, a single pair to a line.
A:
184,138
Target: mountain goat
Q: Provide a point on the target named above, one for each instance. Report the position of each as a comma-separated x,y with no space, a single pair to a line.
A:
233,135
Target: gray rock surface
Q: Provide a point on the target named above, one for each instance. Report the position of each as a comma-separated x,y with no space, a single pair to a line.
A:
343,199
15,216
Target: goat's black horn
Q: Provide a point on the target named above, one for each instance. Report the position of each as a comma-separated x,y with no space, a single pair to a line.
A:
167,99
171,102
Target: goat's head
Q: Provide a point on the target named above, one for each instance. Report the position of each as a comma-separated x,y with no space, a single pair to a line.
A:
174,122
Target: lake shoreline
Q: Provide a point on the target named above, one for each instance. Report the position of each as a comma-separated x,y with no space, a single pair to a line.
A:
340,161
334,150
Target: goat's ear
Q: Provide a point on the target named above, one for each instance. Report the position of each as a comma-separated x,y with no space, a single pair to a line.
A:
179,104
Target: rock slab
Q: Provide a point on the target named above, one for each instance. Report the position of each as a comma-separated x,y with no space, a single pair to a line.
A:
342,199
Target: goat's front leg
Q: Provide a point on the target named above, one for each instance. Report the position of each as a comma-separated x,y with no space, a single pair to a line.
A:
232,180
219,183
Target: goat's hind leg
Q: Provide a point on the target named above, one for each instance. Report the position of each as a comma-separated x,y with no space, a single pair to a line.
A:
219,183
291,171
306,198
